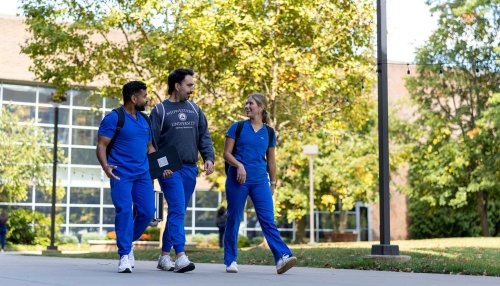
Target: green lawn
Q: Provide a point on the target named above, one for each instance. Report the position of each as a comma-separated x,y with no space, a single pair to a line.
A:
470,256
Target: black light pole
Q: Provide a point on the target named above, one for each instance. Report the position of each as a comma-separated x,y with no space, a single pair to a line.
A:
385,247
52,247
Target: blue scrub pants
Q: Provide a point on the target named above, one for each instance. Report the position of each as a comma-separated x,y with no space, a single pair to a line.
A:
178,190
236,195
130,223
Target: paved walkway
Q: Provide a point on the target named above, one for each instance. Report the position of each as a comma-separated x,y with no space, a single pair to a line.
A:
16,269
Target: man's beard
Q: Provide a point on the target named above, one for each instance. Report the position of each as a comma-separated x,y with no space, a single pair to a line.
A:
140,107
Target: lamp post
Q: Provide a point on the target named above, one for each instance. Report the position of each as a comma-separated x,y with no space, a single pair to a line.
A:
311,151
385,247
56,101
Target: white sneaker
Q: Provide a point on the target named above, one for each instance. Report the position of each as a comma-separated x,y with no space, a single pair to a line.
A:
165,263
131,258
233,268
182,264
124,265
285,263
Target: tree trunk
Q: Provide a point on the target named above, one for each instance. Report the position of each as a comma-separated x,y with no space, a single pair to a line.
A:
482,207
301,230
343,221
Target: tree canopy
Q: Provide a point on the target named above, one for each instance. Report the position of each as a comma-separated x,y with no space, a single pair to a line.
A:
311,59
456,157
23,158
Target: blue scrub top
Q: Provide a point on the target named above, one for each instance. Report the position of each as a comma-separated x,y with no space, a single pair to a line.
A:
129,152
251,149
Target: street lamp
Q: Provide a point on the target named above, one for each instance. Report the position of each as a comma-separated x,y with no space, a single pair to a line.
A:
56,101
310,151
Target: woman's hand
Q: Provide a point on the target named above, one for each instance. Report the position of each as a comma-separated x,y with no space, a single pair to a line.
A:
241,175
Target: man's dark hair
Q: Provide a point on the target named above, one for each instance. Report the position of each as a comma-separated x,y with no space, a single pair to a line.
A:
131,88
177,76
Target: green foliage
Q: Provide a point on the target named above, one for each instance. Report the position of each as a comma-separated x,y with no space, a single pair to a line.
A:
154,232
243,241
427,221
67,239
28,227
86,236
257,240
310,58
455,162
23,159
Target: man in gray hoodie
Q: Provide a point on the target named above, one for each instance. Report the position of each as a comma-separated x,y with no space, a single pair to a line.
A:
180,123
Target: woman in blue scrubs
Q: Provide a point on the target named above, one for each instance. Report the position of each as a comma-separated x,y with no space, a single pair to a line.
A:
252,172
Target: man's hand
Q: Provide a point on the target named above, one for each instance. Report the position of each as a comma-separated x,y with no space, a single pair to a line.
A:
109,172
167,173
209,167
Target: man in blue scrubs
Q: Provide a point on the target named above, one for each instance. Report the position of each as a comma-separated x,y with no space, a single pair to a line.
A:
180,123
127,168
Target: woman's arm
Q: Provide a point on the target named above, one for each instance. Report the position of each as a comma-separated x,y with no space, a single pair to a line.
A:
271,167
229,157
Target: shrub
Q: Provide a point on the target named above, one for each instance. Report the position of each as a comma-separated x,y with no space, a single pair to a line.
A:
243,241
86,236
257,240
443,221
67,239
28,227
154,233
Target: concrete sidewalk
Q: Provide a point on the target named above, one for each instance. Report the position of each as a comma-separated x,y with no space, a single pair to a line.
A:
16,269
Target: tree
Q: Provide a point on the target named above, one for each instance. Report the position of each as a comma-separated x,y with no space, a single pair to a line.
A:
23,158
452,161
311,58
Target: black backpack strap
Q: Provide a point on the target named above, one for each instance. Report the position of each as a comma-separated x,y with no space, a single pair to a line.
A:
119,125
148,120
237,134
270,134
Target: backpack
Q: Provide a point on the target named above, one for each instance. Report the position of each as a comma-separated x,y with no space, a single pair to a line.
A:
270,133
119,125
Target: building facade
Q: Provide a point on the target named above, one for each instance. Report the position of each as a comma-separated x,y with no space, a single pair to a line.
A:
86,205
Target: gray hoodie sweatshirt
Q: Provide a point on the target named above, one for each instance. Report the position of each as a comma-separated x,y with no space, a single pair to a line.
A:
184,126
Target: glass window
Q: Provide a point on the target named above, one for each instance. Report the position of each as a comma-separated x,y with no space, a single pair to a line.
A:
86,98
108,215
45,195
84,215
106,196
81,156
26,113
62,157
46,115
62,173
60,211
85,174
45,96
85,196
112,103
62,135
86,117
187,220
207,199
205,218
84,137
19,93
29,195
326,220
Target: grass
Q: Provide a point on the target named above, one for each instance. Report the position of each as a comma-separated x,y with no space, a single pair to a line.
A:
468,256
